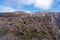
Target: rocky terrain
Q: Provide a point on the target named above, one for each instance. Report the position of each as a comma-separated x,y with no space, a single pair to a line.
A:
25,26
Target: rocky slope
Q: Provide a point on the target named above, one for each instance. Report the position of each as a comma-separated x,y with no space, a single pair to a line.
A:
25,26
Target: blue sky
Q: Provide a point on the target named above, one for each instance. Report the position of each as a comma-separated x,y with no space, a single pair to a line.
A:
30,5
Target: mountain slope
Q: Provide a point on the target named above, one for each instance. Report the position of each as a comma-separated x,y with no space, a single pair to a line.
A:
24,26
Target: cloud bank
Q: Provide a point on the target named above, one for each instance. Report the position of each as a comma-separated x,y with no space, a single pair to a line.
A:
20,4
40,4
6,9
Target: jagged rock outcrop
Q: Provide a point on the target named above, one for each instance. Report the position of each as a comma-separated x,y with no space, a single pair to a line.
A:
23,26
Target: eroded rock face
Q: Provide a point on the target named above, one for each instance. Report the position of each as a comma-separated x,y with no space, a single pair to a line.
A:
28,27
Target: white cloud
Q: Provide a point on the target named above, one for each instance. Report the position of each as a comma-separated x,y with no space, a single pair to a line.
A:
28,11
43,4
6,9
25,2
40,4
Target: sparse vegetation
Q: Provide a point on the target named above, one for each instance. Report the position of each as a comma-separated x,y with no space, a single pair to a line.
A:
28,27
